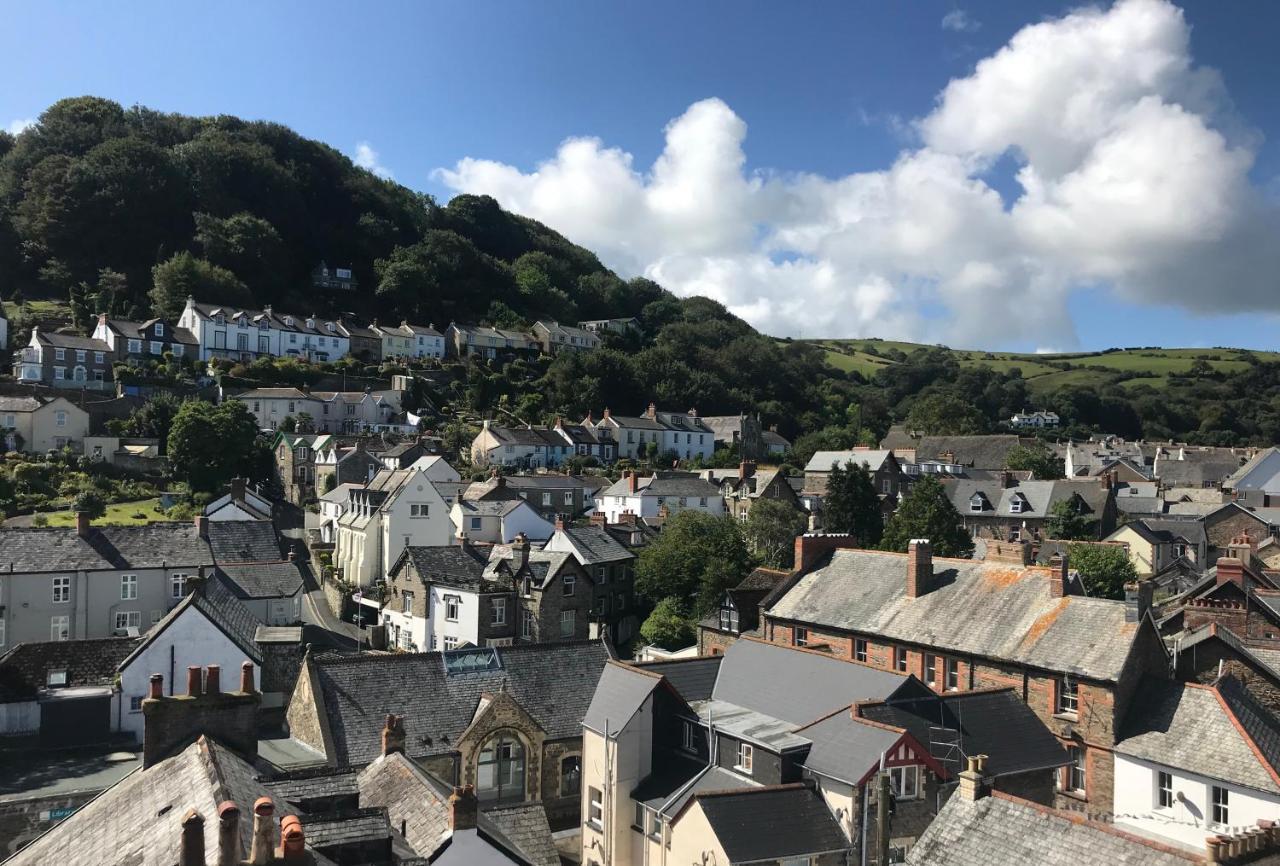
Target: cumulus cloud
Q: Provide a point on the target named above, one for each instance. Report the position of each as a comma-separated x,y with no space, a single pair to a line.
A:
17,126
960,21
368,158
1132,173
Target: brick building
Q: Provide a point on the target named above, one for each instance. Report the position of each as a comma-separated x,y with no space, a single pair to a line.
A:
960,625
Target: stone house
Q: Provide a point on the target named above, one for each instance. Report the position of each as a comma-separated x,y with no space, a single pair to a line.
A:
134,342
683,753
364,342
744,488
506,720
1223,525
611,565
1005,508
295,458
960,625
345,464
739,611
555,337
64,361
741,430
39,424
886,472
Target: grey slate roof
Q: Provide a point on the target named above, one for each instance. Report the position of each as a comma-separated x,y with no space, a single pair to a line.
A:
262,579
523,830
795,685
772,823
594,545
618,695
977,608
243,541
139,819
845,748
106,548
997,724
24,669
413,800
980,452
666,484
1003,829
218,603
552,682
1199,729
1037,497
327,829
821,461
19,404
455,565
694,678
299,786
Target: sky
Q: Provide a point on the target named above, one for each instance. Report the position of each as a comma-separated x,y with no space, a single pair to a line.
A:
1033,176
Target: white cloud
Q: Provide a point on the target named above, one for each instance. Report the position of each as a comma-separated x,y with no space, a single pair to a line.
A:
1133,175
960,21
16,127
368,158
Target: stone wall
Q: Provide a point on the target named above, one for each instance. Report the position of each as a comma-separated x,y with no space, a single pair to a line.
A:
22,820
303,715
231,718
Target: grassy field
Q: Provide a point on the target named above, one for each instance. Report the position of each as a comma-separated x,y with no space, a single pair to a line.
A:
40,309
119,514
1042,371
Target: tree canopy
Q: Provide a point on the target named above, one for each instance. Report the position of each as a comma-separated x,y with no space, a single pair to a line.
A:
209,445
771,529
926,512
695,558
852,504
1104,568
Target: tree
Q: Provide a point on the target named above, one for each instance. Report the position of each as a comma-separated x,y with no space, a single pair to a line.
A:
185,276
288,424
1037,458
926,512
944,415
209,445
852,504
667,627
1105,568
151,420
91,503
330,482
771,529
305,423
695,558
1068,523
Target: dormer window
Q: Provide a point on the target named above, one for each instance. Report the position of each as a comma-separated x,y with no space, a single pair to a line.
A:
728,616
311,323
976,502
263,324
159,329
56,678
331,327
288,321
1017,504
220,319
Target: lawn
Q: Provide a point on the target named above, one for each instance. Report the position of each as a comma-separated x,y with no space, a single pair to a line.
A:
118,514
41,309
859,361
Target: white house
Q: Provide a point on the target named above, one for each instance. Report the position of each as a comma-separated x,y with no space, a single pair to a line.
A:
271,591
1196,761
40,424
526,447
398,508
243,335
330,411
1034,419
648,497
241,502
499,521
209,626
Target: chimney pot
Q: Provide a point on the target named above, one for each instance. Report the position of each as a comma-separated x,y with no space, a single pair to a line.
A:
157,686
192,850
919,567
82,524
194,676
246,677
293,841
559,523
229,834
213,679
262,848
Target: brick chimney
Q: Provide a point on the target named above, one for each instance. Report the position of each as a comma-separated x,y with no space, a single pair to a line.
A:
83,527
810,548
599,518
1137,599
1006,479
652,411
919,567
202,526
237,489
1230,570
229,847
972,787
1057,576
560,524
746,469
191,853
262,847
632,480
463,808
171,723
1242,547
393,735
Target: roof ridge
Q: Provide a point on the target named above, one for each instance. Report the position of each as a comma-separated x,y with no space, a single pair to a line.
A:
751,789
1243,731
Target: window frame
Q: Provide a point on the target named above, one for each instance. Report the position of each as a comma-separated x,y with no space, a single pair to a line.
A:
1164,790
595,808
951,675
452,603
498,611
1220,805
61,586
1077,768
746,757
799,636
61,622
568,623
860,648
901,659
1066,700
930,670
178,585
128,587
129,616
569,582
903,772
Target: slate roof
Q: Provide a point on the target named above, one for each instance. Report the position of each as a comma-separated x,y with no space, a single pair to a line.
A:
593,545
821,461
694,679
846,748
665,791
523,830
995,723
619,694
413,800
139,819
772,823
106,548
19,404
455,564
1004,829
300,786
262,579
1217,731
328,829
220,606
980,452
72,341
24,670
666,484
795,685
1159,531
243,541
552,682
1038,497
991,610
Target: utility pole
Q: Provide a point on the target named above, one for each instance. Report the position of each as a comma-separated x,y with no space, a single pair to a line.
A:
882,818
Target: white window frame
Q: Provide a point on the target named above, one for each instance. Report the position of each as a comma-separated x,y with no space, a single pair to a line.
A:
568,622
1066,700
1164,790
860,647
178,584
901,660
406,602
61,590
60,627
1078,766
526,623
1220,805
904,782
498,612
419,509
126,619
450,642
452,607
569,581
951,675
595,809
746,757
128,587
800,636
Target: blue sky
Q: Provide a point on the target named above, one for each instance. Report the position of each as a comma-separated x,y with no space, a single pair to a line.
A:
808,90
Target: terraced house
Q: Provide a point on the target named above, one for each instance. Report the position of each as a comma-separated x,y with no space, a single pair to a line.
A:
134,342
64,361
243,335
960,625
